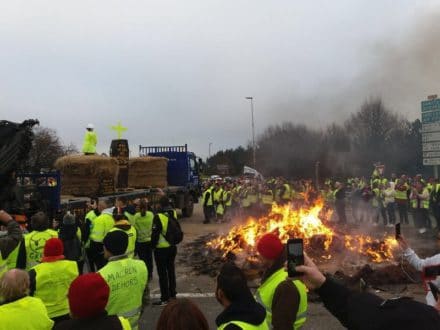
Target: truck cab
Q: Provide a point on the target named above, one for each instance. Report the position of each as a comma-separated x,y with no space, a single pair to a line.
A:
182,174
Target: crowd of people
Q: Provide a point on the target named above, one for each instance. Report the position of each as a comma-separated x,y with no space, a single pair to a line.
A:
355,200
95,273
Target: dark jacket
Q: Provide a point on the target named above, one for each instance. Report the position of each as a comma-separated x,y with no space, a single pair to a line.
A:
286,299
71,242
102,322
13,237
248,311
362,311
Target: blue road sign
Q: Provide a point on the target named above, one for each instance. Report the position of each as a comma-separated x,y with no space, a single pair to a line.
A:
430,117
431,105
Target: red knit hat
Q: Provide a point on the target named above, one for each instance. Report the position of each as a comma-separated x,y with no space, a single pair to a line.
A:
270,246
88,296
53,250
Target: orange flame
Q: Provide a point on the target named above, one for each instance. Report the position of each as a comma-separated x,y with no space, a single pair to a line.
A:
303,223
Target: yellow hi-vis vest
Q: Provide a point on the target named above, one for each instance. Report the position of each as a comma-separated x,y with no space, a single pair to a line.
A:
424,204
227,198
218,196
34,243
101,226
144,226
132,235
91,216
3,265
401,194
245,201
11,260
127,279
52,283
27,313
90,141
267,197
163,243
124,323
266,292
245,326
210,200
130,217
287,192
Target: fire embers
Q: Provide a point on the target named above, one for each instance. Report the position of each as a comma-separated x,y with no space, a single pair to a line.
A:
308,222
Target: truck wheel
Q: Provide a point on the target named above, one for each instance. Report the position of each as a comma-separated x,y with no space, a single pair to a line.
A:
187,211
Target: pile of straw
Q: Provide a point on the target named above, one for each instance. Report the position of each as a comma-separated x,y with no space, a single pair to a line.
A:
145,172
84,175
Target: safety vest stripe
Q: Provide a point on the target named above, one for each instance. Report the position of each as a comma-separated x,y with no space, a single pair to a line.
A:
131,313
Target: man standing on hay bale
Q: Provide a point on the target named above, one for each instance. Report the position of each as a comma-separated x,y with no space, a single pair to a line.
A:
90,141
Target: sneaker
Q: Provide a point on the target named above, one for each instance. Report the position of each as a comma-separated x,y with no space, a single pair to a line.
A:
422,230
160,303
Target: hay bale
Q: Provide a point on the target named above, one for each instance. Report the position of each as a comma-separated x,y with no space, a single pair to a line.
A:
147,172
87,175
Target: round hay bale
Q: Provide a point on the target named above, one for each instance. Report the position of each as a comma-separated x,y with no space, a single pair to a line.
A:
85,175
147,172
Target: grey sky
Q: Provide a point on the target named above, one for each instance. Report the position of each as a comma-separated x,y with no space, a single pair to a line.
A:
177,71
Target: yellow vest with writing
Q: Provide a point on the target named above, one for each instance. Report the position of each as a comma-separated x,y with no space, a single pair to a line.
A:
27,313
127,279
52,283
266,292
34,243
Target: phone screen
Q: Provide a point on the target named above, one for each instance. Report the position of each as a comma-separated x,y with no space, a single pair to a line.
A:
295,249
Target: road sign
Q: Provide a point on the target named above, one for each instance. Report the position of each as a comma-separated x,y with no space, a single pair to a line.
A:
430,117
431,154
430,137
431,146
431,161
433,127
431,105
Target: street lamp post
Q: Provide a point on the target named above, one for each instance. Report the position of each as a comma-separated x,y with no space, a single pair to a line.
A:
251,98
209,151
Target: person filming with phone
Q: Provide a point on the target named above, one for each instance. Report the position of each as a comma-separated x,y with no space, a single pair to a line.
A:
366,311
285,300
430,268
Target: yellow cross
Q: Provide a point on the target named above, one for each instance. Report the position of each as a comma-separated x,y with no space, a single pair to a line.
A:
119,129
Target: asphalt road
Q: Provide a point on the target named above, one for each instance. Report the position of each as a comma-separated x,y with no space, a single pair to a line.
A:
201,288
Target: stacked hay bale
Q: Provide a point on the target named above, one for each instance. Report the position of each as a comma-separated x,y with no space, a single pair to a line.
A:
147,172
87,175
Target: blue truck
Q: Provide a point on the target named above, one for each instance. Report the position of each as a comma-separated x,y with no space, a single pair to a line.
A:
183,175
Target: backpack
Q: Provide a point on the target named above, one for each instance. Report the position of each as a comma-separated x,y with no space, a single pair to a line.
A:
174,234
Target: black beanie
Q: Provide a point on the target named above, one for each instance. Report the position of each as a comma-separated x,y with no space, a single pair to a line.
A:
116,242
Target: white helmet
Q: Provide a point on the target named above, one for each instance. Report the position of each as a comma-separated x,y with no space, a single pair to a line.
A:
91,126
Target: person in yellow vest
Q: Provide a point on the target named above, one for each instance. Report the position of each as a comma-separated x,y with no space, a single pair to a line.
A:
90,140
126,209
88,296
420,205
401,199
126,277
266,199
245,202
208,203
92,214
101,226
143,222
285,192
30,251
227,202
164,253
252,196
218,202
285,300
122,223
9,242
18,311
50,280
241,311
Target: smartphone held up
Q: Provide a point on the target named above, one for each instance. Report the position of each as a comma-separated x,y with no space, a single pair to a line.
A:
295,256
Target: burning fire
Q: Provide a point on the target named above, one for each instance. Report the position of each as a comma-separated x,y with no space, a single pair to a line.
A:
304,222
